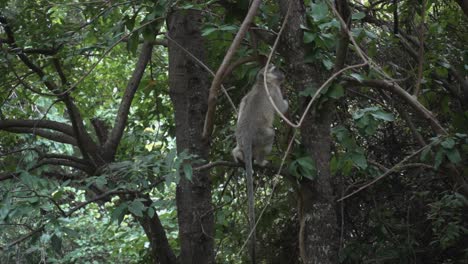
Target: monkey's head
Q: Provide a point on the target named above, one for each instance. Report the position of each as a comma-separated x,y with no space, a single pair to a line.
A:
273,74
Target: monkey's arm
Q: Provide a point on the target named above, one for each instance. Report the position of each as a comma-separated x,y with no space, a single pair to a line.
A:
281,103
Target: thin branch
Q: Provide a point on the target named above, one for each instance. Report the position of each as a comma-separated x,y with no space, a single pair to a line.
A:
239,62
396,167
60,72
209,119
217,164
8,175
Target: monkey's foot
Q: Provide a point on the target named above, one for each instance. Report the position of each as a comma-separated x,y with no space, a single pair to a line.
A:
262,163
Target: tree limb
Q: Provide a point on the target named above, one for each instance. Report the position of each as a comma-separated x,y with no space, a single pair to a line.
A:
398,90
84,141
57,137
46,124
209,119
463,5
110,147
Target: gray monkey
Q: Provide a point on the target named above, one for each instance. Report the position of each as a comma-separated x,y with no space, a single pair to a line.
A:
255,133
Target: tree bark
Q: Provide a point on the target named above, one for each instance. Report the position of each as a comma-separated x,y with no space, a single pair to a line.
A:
463,5
318,236
189,93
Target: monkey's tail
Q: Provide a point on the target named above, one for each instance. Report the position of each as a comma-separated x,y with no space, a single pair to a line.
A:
250,198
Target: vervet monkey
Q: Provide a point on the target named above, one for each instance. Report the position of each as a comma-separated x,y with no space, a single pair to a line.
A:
255,133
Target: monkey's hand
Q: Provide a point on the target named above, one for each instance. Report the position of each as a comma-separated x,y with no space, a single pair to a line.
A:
286,106
237,154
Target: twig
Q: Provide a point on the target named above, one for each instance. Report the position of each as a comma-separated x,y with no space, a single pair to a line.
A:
389,171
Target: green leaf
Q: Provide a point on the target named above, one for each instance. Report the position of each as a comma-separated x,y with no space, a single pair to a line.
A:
449,143
454,156
187,167
319,11
328,64
383,115
359,160
336,91
56,243
309,37
208,30
151,212
425,154
136,207
119,212
358,16
439,157
357,76
228,28
308,91
100,181
303,167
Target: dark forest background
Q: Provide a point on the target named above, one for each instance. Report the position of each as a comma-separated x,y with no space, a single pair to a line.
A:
117,122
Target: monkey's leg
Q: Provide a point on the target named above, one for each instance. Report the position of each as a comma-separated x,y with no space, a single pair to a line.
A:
264,146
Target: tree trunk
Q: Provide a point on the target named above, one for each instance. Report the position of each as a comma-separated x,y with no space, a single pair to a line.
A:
189,93
318,236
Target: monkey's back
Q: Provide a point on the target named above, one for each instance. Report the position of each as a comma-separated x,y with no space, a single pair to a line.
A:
256,112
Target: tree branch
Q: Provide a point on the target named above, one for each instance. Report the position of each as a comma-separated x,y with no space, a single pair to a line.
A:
463,5
342,47
64,162
65,157
84,141
46,124
398,90
57,137
209,119
110,147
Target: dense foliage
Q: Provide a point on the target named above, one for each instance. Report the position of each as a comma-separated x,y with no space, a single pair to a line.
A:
399,131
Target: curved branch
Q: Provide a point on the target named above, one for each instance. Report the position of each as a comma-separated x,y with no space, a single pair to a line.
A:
8,175
47,124
63,162
65,157
57,137
84,141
